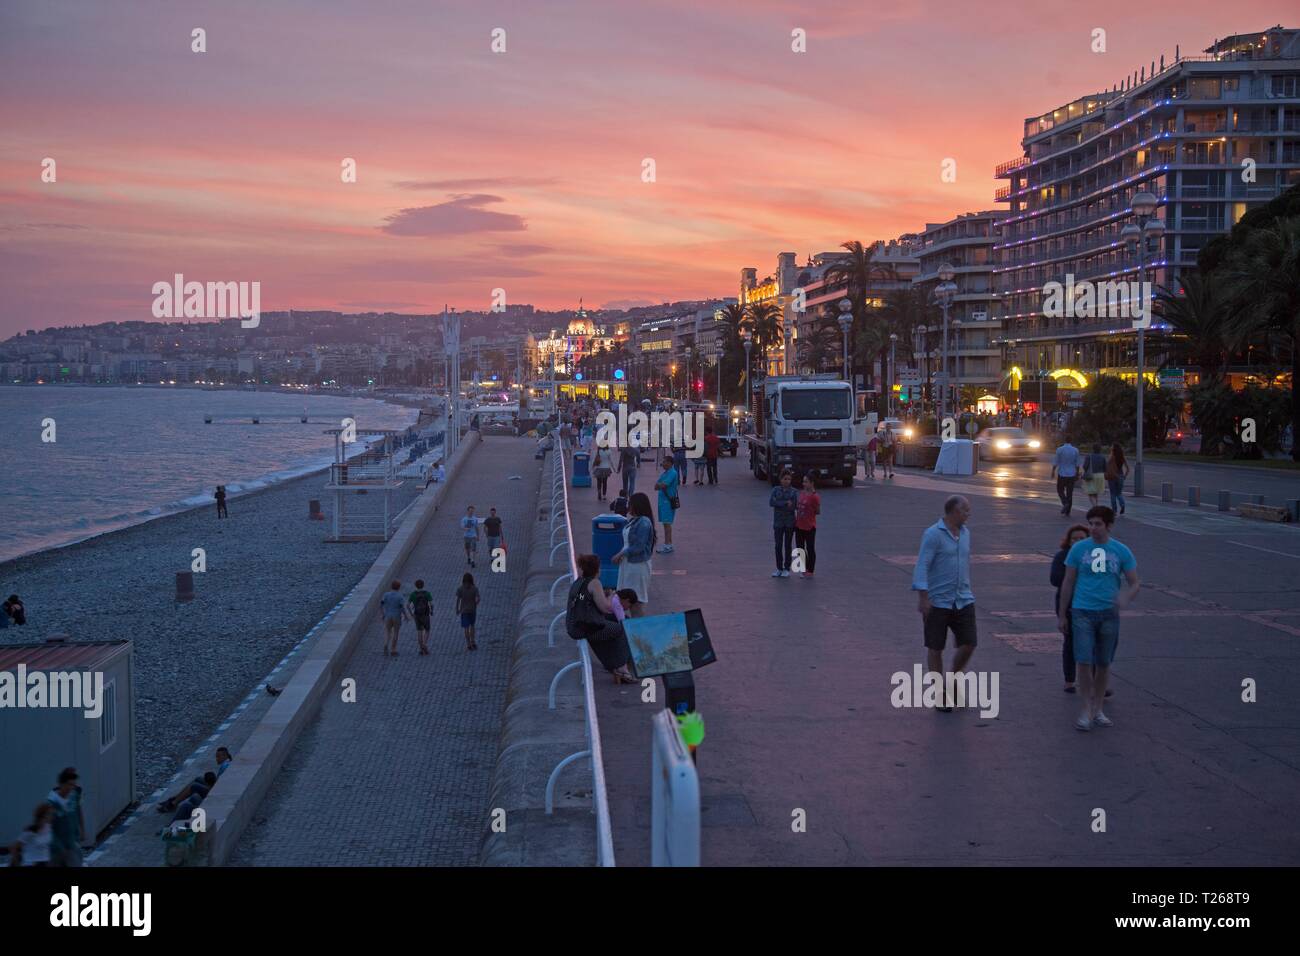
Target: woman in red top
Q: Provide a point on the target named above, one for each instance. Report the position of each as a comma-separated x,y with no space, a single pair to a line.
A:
806,511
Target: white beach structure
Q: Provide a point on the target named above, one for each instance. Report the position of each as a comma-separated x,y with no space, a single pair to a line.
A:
362,489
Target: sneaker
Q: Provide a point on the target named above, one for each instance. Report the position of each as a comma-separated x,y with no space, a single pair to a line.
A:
1083,723
785,574
776,573
1101,720
807,574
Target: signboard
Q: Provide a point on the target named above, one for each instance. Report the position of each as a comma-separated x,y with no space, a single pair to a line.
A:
979,316
1173,378
909,376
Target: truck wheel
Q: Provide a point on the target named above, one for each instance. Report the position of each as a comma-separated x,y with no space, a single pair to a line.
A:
846,482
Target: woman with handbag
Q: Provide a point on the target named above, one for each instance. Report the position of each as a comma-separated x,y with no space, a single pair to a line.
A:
601,467
1116,473
668,486
638,545
590,617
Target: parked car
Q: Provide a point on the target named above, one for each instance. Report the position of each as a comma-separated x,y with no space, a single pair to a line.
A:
1007,442
901,428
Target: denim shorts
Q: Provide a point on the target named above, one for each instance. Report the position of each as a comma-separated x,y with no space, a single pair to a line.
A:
1096,636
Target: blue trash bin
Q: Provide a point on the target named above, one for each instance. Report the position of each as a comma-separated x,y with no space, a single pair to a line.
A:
581,469
607,541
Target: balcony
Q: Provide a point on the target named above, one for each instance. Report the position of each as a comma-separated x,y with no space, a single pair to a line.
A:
1003,168
1001,193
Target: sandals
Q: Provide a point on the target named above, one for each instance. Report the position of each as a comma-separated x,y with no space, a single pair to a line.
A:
623,678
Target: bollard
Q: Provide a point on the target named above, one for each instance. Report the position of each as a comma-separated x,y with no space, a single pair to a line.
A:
1193,496
1225,500
1166,491
184,585
313,510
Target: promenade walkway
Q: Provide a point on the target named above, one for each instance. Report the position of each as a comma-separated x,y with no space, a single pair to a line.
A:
401,776
799,717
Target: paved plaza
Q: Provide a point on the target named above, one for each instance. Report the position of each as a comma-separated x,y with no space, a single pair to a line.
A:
799,716
401,776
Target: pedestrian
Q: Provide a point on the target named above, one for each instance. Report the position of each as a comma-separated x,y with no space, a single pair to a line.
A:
807,508
945,598
1065,469
620,504
33,845
436,474
869,459
1116,474
669,501
628,460
495,535
712,448
1100,579
783,501
467,598
590,616
679,462
638,545
600,470
421,602
887,442
69,826
1094,474
392,609
220,495
699,470
470,532
1076,533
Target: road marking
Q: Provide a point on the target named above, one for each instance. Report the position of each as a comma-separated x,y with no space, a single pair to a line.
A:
1044,642
1024,557
1284,628
1285,554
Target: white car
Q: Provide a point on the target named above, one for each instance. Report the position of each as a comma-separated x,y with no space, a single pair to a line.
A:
1007,442
901,428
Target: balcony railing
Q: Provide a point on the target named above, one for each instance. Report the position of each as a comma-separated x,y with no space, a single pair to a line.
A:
1003,168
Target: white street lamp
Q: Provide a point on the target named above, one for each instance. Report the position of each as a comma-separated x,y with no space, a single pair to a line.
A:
846,324
1136,237
944,292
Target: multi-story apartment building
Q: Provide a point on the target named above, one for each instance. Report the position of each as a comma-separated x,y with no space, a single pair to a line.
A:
966,244
1210,136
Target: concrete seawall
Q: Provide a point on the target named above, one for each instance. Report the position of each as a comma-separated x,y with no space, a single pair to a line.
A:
236,797
534,738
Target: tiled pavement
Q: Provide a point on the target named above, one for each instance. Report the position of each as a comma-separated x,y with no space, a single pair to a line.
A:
798,709
401,776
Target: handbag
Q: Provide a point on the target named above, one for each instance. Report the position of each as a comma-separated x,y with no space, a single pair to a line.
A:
582,616
675,502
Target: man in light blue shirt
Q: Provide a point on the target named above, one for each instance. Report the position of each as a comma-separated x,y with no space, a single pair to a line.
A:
1065,469
942,581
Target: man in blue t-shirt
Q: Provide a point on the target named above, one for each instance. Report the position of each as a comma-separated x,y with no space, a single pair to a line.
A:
1100,578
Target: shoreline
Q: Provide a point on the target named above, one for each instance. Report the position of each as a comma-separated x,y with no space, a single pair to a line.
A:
267,481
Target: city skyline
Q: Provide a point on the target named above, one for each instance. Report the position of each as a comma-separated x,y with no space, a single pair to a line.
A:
526,172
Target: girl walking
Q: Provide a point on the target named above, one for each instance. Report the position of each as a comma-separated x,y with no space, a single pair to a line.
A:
807,508
1076,533
467,598
1116,474
601,467
638,545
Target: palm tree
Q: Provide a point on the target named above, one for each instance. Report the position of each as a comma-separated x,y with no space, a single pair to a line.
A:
860,272
819,348
765,324
1264,277
905,309
1198,312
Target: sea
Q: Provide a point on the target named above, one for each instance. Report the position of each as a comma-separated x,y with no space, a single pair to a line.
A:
124,455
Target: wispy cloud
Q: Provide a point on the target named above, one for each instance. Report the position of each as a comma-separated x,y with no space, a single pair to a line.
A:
456,185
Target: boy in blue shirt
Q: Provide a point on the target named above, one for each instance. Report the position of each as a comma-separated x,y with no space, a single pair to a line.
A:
1100,578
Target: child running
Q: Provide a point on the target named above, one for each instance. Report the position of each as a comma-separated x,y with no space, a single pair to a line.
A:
421,602
467,607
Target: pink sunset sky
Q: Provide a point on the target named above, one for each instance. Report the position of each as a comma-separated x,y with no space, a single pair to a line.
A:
519,170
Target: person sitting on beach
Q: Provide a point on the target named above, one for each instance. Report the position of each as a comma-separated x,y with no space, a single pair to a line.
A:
223,759
13,611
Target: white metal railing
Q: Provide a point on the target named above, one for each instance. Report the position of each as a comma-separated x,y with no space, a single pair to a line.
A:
599,791
674,797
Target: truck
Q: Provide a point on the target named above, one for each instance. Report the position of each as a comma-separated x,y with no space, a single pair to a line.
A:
804,423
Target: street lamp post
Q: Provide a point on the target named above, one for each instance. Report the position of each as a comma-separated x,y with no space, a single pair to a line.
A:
747,337
956,334
846,324
718,350
918,352
1135,236
893,342
944,292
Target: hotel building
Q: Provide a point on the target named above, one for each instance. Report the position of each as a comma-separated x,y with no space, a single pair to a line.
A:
1182,131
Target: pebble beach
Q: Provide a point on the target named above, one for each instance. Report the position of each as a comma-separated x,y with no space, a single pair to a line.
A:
270,576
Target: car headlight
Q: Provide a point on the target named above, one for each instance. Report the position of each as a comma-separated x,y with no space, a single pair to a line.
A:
1002,443
907,433
1035,443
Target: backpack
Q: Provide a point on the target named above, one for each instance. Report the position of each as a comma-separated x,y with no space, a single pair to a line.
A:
421,603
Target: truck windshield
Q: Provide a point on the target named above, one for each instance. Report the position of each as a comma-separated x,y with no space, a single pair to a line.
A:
819,403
